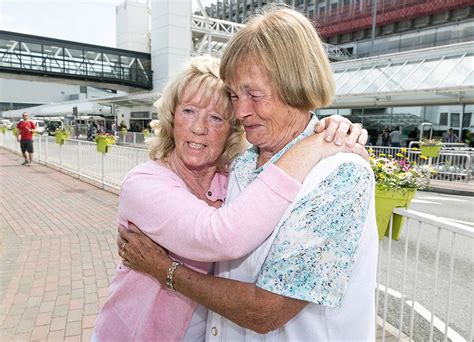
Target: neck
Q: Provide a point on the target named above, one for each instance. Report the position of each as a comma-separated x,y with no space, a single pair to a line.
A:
197,181
297,126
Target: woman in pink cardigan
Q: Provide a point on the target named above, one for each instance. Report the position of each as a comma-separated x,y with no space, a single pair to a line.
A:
176,199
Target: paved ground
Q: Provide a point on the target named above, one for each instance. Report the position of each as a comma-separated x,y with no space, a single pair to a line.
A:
57,252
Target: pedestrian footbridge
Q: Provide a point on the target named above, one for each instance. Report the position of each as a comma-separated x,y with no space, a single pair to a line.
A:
25,56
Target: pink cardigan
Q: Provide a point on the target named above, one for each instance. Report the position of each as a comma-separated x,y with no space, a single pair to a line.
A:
157,200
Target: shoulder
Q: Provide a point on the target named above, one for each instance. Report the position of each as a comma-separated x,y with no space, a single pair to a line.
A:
352,164
344,171
149,173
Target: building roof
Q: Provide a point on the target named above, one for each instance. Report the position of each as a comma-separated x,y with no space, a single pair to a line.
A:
434,76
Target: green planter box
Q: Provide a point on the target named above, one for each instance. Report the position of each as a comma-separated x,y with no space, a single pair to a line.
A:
103,146
60,138
385,202
430,151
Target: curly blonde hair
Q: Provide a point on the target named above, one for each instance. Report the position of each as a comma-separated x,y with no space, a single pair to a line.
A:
200,74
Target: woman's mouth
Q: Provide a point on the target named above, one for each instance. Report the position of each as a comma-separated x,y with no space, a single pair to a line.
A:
196,146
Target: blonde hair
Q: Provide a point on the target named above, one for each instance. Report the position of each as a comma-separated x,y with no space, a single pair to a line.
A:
285,44
200,74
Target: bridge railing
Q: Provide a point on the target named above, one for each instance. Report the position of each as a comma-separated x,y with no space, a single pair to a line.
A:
46,56
425,288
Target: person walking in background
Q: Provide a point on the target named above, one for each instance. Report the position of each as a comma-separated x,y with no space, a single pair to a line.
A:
450,136
25,129
396,137
385,136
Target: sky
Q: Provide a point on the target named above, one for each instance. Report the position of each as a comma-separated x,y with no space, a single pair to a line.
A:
86,21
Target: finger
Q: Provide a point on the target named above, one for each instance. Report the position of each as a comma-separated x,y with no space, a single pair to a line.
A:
355,132
341,132
320,125
364,137
331,128
133,227
361,151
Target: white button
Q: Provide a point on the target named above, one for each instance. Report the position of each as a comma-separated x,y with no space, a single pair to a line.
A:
214,331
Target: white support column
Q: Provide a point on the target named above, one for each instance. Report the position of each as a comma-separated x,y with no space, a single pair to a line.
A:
170,38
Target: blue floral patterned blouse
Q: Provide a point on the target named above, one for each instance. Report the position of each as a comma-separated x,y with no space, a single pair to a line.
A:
313,251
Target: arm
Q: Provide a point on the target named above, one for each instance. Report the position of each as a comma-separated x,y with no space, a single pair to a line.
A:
254,307
243,303
190,228
161,205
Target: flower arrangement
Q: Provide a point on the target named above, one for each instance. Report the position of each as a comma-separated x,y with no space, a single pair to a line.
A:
397,180
107,138
3,129
146,133
60,135
401,173
123,130
103,141
62,131
430,147
430,142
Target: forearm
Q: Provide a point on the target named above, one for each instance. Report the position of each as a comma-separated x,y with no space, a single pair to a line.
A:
190,228
242,303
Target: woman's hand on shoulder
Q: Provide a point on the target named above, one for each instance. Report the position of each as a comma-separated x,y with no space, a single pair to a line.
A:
318,144
341,130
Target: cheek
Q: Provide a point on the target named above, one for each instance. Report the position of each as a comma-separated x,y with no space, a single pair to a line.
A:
221,138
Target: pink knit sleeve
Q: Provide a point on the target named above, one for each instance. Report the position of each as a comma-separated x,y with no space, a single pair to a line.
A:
168,213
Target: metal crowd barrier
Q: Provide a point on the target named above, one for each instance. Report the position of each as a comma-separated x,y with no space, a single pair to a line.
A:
80,158
423,277
453,164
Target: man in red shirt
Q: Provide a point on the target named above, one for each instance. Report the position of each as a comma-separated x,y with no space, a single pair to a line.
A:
25,130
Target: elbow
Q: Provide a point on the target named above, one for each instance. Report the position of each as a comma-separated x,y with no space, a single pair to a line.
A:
264,326
265,321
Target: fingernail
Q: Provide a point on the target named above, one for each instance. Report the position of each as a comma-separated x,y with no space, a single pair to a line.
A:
328,137
350,142
338,142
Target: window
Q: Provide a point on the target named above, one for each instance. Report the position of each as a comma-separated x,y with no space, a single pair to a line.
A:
455,120
443,119
466,120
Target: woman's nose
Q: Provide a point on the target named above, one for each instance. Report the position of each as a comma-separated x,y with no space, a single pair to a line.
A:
199,126
242,109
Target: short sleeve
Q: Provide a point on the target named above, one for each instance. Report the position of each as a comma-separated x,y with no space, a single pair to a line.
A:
313,253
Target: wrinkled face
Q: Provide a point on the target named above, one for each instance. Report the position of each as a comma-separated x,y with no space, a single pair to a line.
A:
200,132
269,123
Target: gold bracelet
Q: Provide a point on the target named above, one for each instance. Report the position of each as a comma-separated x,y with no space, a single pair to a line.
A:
170,275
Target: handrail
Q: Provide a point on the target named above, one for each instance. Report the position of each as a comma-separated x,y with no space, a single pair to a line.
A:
433,220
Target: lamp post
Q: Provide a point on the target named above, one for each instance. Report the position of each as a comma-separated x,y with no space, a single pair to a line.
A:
374,22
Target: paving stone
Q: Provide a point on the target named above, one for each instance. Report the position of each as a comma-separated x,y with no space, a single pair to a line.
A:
39,333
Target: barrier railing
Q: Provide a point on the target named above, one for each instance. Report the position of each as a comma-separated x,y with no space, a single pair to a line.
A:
452,164
80,158
425,287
